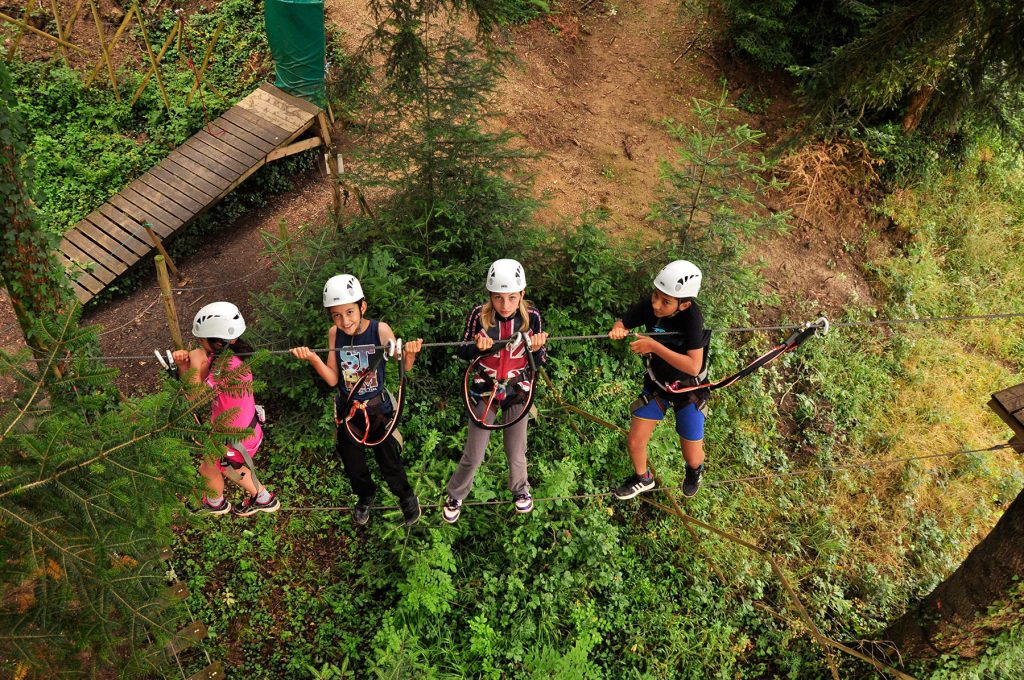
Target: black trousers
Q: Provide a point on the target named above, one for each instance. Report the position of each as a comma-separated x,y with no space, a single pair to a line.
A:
389,458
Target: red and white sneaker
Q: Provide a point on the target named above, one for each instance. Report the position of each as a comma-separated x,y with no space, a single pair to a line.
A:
250,506
205,508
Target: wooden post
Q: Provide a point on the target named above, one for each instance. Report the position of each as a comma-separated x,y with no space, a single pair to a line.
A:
149,53
21,33
60,31
113,42
103,49
69,25
158,244
168,41
1008,404
165,293
332,164
206,61
282,228
25,26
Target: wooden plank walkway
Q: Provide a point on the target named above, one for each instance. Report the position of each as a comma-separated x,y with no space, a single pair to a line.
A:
187,183
1009,406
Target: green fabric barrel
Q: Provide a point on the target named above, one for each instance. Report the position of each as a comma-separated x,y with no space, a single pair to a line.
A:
295,31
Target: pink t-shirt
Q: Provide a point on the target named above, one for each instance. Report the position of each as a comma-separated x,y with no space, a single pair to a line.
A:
245,403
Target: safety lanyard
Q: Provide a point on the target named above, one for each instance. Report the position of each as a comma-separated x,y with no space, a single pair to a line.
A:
353,405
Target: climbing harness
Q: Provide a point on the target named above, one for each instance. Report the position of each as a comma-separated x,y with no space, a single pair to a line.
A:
353,406
701,382
501,393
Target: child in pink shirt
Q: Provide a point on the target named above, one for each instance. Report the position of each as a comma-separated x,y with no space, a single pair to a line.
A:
219,325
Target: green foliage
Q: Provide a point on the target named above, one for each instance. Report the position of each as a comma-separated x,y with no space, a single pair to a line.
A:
87,494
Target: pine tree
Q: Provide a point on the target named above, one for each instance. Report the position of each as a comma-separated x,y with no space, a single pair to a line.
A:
455,192
942,62
87,493
711,203
28,267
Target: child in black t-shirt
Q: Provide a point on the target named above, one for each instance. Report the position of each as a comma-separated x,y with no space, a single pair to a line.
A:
674,361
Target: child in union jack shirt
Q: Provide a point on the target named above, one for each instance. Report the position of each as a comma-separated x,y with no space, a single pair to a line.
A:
505,314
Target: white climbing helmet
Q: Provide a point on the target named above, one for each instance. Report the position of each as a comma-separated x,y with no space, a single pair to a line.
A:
218,320
506,276
680,279
341,290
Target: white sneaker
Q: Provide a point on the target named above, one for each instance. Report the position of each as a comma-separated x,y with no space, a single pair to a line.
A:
524,503
451,510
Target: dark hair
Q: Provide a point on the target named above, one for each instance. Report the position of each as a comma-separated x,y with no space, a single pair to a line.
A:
239,346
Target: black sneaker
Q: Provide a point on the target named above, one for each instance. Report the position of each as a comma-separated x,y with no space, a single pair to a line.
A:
204,507
692,481
451,510
361,513
250,506
634,486
410,510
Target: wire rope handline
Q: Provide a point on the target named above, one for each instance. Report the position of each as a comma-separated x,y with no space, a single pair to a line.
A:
604,336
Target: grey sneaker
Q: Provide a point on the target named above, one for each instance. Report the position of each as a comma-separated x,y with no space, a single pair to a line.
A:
361,513
634,486
451,510
692,482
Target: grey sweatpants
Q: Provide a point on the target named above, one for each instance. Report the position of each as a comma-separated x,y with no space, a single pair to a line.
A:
476,445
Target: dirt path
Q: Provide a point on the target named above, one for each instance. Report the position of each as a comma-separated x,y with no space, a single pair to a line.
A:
590,93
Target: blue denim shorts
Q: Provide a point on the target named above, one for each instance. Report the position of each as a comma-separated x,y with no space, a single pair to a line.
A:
689,419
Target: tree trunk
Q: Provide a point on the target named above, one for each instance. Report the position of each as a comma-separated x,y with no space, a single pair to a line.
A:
915,110
955,617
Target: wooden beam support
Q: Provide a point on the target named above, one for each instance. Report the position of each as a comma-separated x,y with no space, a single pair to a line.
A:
25,26
168,41
149,53
297,147
60,32
105,50
113,42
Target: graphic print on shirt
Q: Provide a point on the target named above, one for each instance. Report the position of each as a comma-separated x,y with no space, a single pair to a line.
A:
352,363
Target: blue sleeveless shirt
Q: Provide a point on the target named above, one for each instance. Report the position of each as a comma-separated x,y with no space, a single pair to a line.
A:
353,354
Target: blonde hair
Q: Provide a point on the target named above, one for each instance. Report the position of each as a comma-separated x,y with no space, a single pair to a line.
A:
487,314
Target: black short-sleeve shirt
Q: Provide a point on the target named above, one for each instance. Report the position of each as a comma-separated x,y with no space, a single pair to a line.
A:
689,324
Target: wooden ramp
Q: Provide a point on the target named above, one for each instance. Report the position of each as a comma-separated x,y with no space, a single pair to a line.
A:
196,175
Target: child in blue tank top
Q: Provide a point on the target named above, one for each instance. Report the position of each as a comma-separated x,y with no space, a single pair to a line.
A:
354,341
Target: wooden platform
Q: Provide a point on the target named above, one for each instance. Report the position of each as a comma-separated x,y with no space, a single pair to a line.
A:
1009,405
185,184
